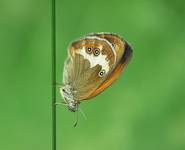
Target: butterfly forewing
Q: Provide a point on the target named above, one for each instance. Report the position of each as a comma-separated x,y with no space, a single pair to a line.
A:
91,61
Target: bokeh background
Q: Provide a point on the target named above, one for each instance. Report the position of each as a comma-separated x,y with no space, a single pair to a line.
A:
143,110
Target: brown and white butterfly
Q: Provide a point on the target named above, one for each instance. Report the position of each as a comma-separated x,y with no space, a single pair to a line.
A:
93,63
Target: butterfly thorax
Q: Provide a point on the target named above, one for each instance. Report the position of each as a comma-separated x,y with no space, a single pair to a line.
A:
67,93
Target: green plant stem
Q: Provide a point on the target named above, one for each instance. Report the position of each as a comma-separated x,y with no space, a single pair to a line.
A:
53,39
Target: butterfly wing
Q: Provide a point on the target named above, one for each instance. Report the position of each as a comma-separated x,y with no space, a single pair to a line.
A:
91,60
83,67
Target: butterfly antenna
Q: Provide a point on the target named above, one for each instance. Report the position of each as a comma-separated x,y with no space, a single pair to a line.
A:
76,121
83,114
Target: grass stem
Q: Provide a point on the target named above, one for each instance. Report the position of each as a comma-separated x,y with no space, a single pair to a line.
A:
53,54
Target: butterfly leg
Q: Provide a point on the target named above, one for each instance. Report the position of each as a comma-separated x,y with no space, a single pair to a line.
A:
57,84
60,103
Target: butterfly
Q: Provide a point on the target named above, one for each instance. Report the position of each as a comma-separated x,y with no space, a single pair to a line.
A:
93,63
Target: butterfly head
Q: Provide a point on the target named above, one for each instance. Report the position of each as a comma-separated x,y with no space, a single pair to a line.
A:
67,93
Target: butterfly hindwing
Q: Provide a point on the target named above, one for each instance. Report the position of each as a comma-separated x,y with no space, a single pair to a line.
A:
124,60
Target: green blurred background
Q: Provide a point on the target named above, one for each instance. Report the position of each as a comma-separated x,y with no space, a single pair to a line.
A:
143,110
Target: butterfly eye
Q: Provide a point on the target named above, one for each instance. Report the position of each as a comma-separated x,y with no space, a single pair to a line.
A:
101,73
88,50
96,51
